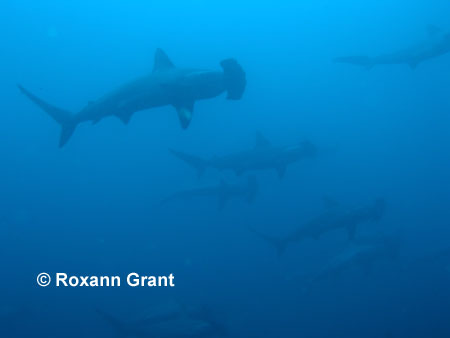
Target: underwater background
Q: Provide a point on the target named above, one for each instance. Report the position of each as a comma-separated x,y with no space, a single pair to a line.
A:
94,207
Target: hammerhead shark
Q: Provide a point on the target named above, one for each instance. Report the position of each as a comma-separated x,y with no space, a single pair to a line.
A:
437,44
223,192
166,85
261,157
335,217
361,254
173,322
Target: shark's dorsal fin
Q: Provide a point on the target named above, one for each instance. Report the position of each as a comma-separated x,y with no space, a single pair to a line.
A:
433,30
162,61
261,141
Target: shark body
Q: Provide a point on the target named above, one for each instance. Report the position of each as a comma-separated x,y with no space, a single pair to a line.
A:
166,85
263,156
437,44
362,254
334,218
171,322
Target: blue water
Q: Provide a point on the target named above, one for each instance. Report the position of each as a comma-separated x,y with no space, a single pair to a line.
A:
93,207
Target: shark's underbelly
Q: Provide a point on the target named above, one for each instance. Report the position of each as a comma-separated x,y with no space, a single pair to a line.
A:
126,101
423,52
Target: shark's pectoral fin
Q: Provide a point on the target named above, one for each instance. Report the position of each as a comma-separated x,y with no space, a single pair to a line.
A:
413,64
185,109
185,116
66,132
125,118
281,170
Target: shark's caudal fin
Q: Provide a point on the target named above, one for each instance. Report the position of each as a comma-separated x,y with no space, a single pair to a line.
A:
63,117
194,161
363,61
280,244
235,81
120,328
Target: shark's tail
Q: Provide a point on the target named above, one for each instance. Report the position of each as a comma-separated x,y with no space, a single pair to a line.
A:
253,188
235,81
194,161
120,328
63,117
280,244
363,61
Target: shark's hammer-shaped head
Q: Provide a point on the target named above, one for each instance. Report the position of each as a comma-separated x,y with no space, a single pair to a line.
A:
185,86
234,78
205,84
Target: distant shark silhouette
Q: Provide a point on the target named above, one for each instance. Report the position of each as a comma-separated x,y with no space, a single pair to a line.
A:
362,254
175,322
223,192
167,85
262,156
335,217
437,44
